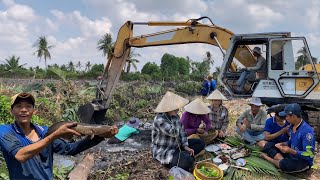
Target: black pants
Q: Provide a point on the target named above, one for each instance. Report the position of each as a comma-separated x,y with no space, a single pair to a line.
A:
185,160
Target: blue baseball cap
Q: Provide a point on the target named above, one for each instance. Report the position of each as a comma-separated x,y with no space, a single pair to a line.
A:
291,109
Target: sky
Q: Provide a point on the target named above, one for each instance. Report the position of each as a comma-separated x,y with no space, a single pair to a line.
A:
74,27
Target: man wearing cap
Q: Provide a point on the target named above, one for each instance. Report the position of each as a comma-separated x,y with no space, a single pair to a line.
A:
219,116
250,72
298,151
169,140
250,124
276,131
126,131
28,153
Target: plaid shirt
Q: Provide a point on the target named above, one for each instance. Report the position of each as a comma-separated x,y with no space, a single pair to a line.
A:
167,136
219,119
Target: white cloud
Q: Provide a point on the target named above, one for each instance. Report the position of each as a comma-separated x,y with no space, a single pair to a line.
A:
21,13
89,27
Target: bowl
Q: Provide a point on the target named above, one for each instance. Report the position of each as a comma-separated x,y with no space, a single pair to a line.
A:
200,176
224,168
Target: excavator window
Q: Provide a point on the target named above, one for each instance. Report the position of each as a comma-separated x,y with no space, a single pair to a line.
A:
237,68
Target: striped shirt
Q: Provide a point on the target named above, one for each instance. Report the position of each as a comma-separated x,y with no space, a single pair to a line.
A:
219,119
167,136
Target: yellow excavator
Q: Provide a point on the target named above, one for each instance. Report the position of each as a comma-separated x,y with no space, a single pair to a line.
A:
288,76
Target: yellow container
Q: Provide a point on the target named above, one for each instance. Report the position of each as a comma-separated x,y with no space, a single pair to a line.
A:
200,176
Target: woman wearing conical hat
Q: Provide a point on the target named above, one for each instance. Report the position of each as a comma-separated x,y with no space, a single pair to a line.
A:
218,116
195,118
170,145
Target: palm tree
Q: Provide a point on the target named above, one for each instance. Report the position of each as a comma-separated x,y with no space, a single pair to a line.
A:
79,66
208,58
132,61
105,45
42,49
303,58
12,64
70,66
88,66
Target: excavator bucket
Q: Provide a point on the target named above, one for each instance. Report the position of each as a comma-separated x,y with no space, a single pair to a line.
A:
93,112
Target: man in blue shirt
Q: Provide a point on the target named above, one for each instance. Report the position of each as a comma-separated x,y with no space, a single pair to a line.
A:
276,131
28,153
298,151
208,86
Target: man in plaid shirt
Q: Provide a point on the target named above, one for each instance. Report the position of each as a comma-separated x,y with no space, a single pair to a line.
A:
169,140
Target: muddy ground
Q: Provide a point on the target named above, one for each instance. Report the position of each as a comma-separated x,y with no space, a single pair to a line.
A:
132,159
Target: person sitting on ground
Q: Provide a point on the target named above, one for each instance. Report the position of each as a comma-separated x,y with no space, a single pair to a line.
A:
126,131
276,131
298,151
169,140
250,124
208,85
195,118
250,72
27,151
219,116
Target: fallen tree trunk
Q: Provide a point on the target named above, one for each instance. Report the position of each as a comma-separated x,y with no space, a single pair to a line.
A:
82,170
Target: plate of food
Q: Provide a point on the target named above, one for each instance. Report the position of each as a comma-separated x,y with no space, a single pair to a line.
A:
212,148
224,146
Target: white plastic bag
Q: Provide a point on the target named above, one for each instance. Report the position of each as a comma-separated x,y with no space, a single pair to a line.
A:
180,174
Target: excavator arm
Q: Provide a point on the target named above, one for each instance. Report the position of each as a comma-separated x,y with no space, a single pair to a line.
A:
187,32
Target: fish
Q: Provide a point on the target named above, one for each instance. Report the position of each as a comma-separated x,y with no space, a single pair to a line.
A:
85,129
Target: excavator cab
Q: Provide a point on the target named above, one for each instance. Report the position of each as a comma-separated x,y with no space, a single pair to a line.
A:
289,72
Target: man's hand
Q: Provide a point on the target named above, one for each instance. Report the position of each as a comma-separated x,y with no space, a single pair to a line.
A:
191,151
285,129
100,77
221,134
113,131
284,149
66,131
247,123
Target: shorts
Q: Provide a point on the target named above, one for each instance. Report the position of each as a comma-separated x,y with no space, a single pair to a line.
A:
292,165
270,149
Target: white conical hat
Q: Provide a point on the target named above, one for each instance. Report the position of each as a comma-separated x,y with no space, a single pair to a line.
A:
217,95
197,106
170,102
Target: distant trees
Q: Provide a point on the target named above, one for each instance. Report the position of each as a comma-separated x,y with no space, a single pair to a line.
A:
150,68
42,49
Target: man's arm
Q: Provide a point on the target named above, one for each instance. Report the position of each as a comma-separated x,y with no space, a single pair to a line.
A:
27,152
259,64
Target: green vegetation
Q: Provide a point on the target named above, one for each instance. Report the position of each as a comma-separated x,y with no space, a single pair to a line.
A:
209,172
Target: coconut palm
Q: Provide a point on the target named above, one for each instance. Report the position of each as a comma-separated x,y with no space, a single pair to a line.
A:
70,66
132,61
79,65
209,58
87,66
105,45
303,59
12,64
42,49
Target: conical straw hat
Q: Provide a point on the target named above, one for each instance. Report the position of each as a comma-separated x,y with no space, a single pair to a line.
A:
216,95
170,102
197,106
